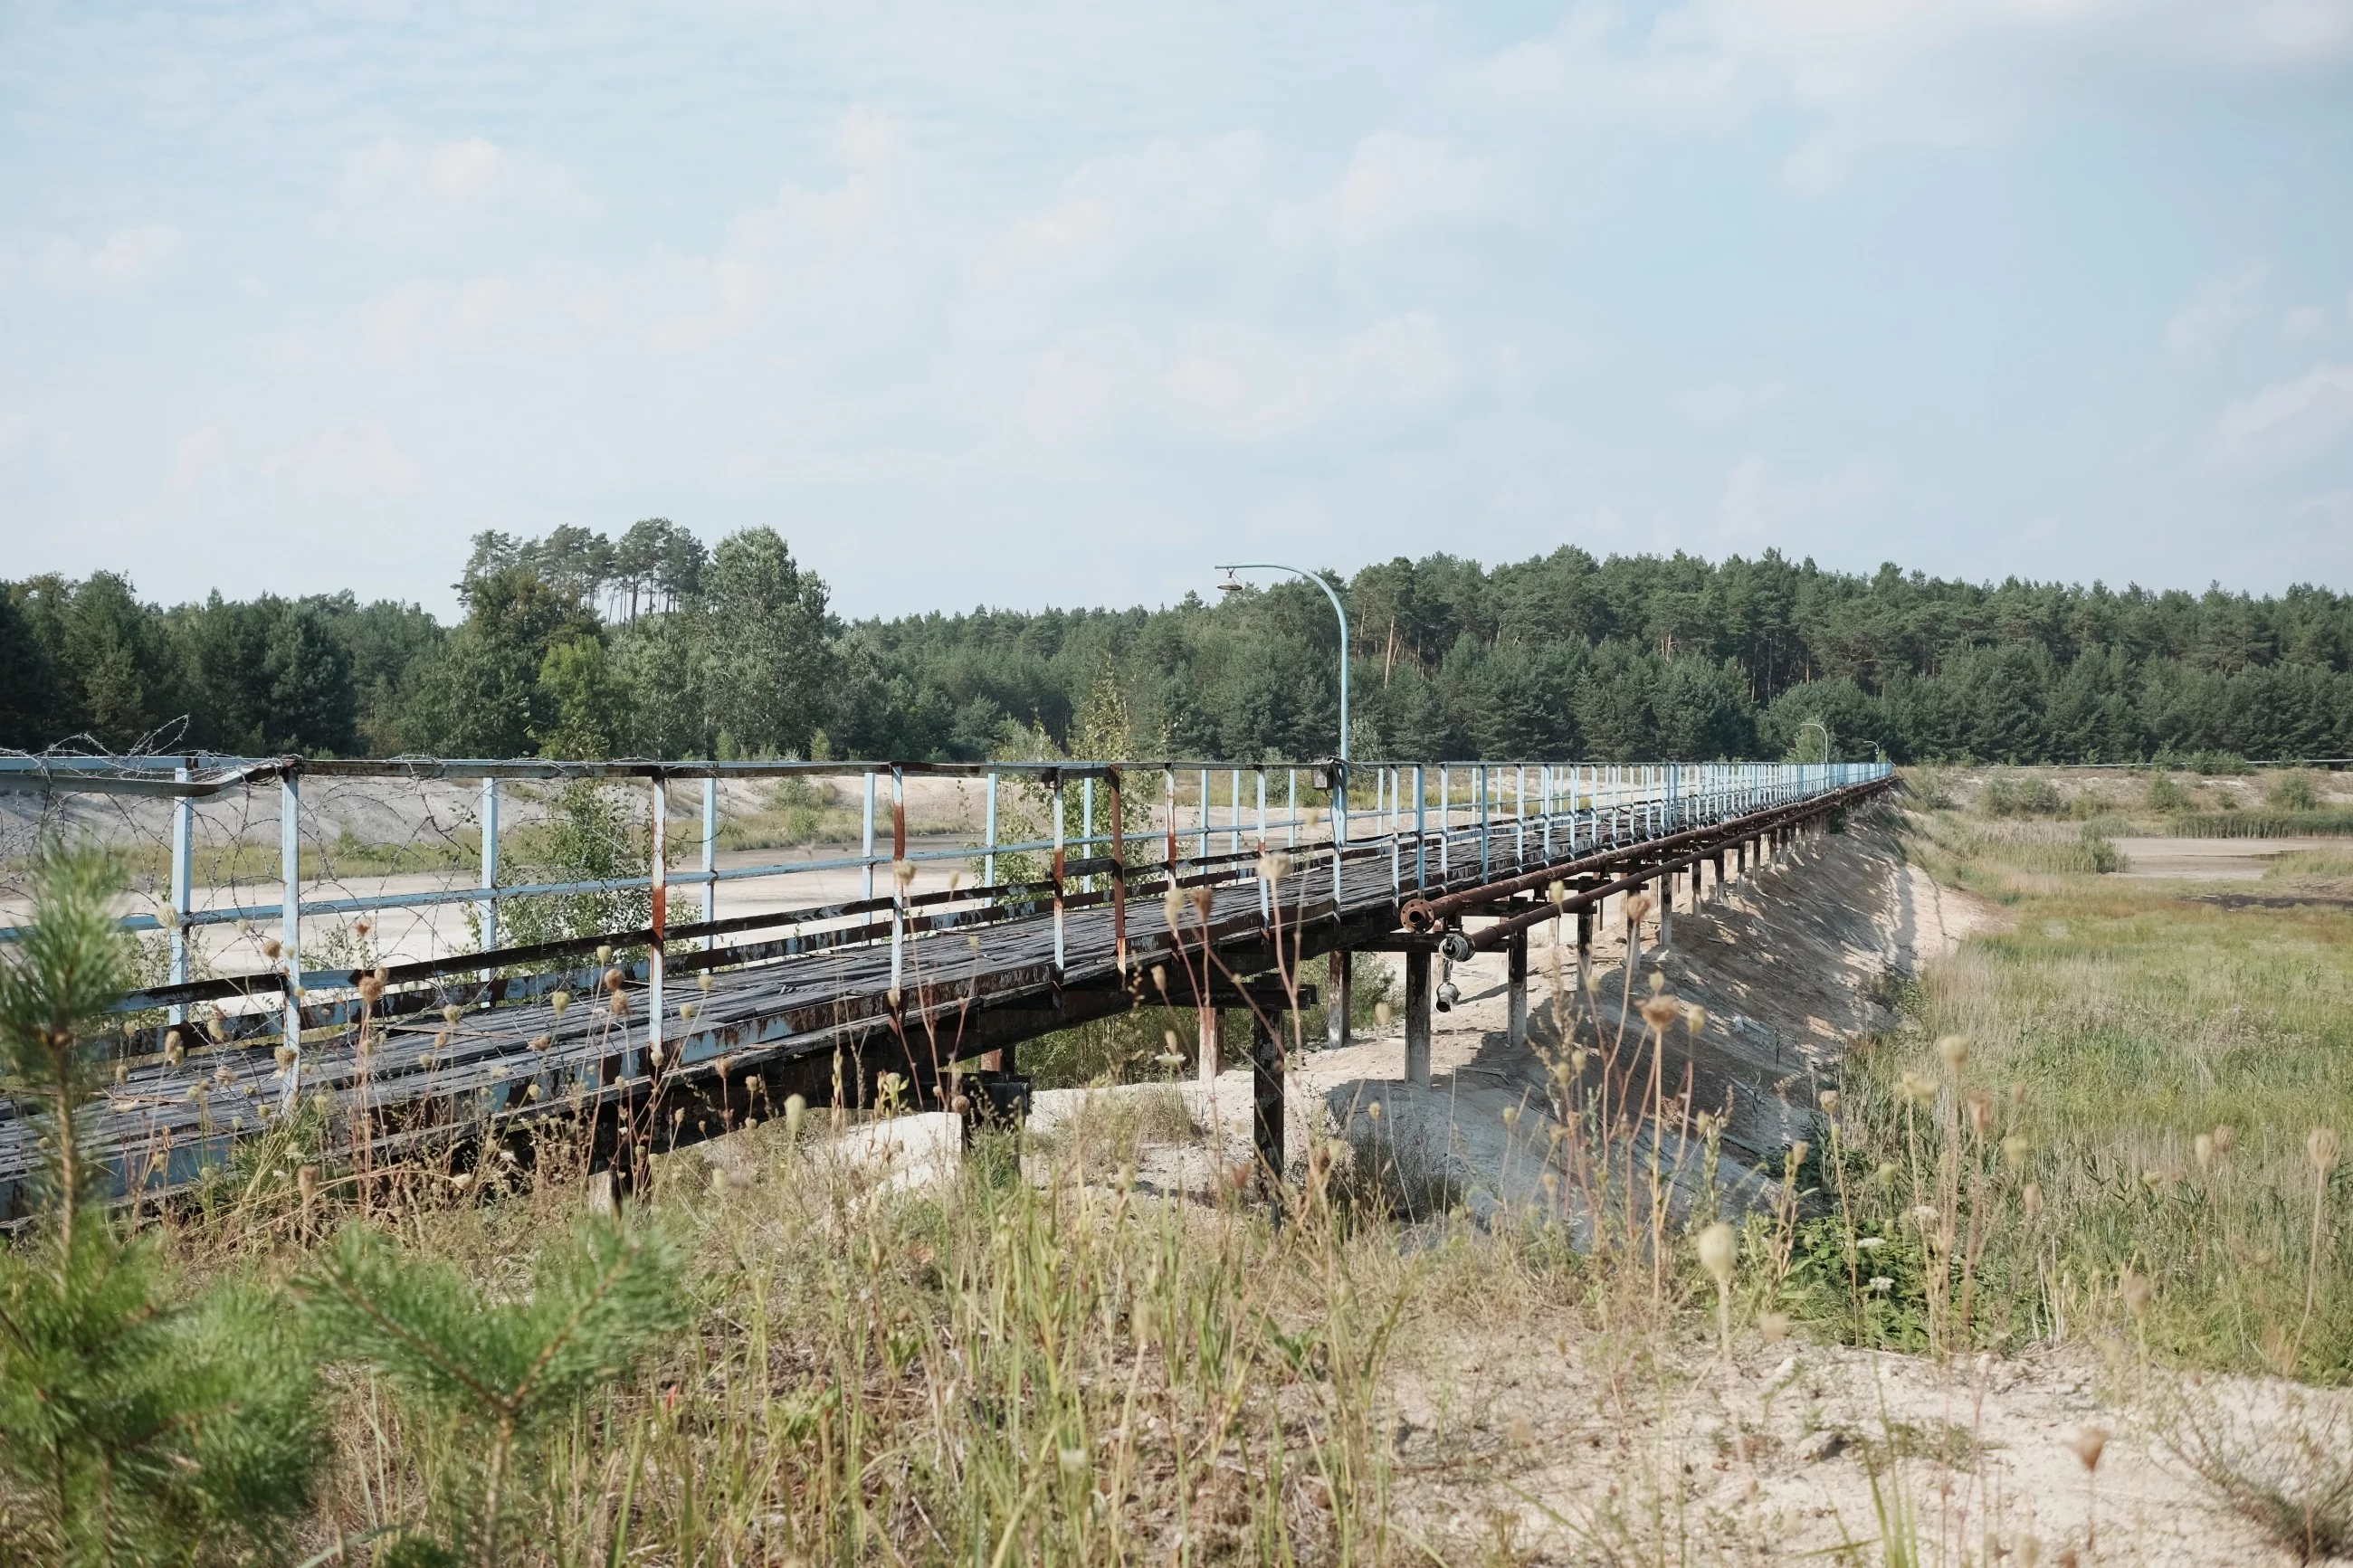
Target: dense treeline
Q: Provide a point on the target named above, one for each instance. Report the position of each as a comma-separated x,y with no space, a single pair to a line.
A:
653,645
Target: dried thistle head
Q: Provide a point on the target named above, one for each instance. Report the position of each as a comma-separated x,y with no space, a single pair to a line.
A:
1172,905
1829,1102
1203,897
2321,1147
605,952
1638,908
541,1042
370,990
1953,1050
1660,1012
1658,980
559,1001
615,979
703,980
903,872
361,926
2088,1445
1557,892
1695,1017
451,1014
2226,1137
2201,1150
1273,865
272,948
1718,1251
1977,1105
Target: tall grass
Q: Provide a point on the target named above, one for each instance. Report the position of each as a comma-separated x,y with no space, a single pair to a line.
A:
2335,822
2142,1076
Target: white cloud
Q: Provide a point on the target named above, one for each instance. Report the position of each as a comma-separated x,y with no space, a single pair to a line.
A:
396,193
124,260
1721,403
354,459
1856,74
2200,323
197,457
1759,505
2286,421
1395,184
843,261
2307,323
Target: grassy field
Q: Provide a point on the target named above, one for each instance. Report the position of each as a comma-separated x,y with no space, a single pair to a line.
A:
2126,1143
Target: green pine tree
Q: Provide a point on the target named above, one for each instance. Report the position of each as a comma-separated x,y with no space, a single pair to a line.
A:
132,1431
496,1377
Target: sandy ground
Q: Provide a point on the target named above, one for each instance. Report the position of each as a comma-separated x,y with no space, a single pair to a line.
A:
1516,1444
2212,860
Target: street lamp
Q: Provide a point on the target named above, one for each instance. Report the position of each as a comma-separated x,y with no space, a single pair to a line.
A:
1825,729
1232,586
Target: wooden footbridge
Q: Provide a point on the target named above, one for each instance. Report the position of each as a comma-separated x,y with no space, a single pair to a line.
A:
1147,890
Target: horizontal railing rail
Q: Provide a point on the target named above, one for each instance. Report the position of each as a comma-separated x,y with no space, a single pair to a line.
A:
1113,830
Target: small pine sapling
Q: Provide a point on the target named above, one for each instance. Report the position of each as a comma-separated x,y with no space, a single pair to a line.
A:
498,1376
132,1430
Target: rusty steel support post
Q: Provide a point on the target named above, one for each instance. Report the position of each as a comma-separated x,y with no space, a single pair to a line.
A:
1339,999
1266,1096
489,881
1515,987
1059,954
1119,874
657,864
290,928
1419,997
1666,889
709,857
184,867
989,836
1584,954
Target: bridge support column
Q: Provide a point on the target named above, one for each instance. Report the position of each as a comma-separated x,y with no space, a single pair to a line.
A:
1666,886
1266,1096
1718,863
1419,996
1339,999
1515,987
1584,959
1213,1044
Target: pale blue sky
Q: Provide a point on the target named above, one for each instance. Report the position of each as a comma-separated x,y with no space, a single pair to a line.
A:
1061,303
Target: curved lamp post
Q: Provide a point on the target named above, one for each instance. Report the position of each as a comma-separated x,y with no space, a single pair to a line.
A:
1230,587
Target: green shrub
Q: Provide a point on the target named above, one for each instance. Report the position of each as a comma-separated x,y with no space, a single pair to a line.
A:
2011,794
2166,793
2291,791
